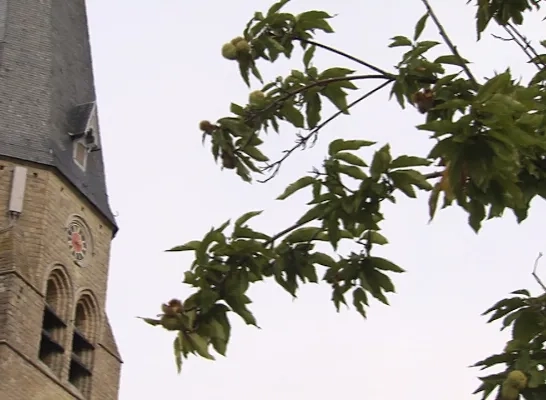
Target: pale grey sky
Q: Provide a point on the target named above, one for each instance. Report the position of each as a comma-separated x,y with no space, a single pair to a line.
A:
158,73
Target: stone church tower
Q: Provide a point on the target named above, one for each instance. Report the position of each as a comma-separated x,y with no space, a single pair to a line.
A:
56,225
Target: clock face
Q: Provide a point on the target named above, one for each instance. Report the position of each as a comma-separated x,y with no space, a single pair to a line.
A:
77,241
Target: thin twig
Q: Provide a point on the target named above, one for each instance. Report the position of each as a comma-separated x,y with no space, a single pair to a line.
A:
290,94
283,232
535,273
449,43
348,56
301,143
526,46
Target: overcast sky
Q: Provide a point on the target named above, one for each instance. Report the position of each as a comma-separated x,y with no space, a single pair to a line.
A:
158,73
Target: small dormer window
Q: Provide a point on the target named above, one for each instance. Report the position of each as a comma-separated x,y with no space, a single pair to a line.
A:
80,154
84,132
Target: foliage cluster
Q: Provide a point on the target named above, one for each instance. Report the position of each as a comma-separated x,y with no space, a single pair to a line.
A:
487,155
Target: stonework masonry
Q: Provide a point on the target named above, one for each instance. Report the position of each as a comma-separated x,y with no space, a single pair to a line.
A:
34,246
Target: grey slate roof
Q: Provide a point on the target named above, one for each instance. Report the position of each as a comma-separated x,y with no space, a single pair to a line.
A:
46,89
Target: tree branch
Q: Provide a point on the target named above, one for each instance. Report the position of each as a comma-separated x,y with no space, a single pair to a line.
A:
303,141
525,46
535,272
348,56
449,43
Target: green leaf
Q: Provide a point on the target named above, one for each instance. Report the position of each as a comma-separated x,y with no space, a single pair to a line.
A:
385,265
245,217
492,86
337,96
323,259
375,237
255,153
381,162
359,300
409,161
352,171
237,304
200,345
304,234
313,107
276,7
308,56
316,212
523,292
420,26
150,321
193,245
477,214
244,232
297,185
336,72
403,184
341,145
177,347
314,19
350,158
451,60
433,201
399,41
292,115
529,324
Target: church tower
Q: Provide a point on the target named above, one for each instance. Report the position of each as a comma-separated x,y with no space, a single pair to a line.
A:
56,225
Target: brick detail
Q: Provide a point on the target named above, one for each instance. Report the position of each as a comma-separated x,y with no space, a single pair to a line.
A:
33,251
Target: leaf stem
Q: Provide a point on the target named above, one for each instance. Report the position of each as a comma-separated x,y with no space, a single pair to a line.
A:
343,54
449,43
277,164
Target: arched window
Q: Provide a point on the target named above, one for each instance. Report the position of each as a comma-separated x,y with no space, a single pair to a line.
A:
54,321
82,357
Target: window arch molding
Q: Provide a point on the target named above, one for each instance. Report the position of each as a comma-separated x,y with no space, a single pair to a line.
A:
87,301
86,327
58,290
58,297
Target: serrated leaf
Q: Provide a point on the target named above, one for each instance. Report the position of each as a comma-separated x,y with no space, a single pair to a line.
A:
304,234
409,161
177,347
322,259
245,217
451,60
399,41
151,321
192,245
350,158
337,96
352,171
275,8
308,56
200,345
255,153
336,72
375,237
527,325
401,183
313,106
523,292
292,115
341,145
433,201
420,26
385,265
359,300
297,185
381,162
316,212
